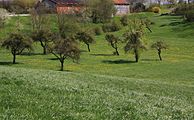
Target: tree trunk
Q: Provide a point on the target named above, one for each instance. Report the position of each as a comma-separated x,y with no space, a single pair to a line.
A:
14,58
159,54
88,45
117,52
44,50
149,29
62,65
94,17
136,56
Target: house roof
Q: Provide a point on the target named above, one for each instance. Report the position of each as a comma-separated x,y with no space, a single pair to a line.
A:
65,2
121,2
69,2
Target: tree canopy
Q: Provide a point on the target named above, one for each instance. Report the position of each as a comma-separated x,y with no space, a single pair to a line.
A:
63,48
43,36
134,43
113,41
86,38
159,45
101,10
17,43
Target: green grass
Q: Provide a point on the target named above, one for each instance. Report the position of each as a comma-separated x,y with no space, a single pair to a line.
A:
103,86
43,94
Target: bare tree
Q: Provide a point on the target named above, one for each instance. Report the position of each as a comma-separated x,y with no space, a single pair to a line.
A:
41,29
101,10
39,21
67,25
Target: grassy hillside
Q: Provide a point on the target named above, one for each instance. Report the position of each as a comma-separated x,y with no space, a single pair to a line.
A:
177,65
103,86
43,94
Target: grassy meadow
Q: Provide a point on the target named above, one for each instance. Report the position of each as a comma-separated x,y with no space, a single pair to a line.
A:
103,86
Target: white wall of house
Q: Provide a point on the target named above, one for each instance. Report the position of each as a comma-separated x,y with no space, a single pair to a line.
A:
122,9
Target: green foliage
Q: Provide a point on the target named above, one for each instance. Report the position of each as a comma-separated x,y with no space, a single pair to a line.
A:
124,20
102,86
20,6
156,9
26,3
17,43
86,38
43,36
111,27
39,21
113,41
187,10
101,11
41,29
98,31
147,23
2,17
68,25
63,48
150,8
134,43
2,22
159,45
138,7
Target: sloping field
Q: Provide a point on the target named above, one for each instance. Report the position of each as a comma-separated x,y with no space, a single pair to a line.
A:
102,86
42,94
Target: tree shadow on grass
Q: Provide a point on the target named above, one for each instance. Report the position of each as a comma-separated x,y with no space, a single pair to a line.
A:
83,51
9,63
177,23
149,60
68,71
53,59
30,54
118,61
102,54
174,23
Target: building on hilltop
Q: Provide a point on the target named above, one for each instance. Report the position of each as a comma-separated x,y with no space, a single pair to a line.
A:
61,6
74,6
122,7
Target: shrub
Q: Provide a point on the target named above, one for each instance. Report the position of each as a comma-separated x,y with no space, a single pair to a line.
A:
18,6
3,17
138,7
98,31
185,10
17,9
181,9
149,9
156,9
111,27
2,21
189,16
124,20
